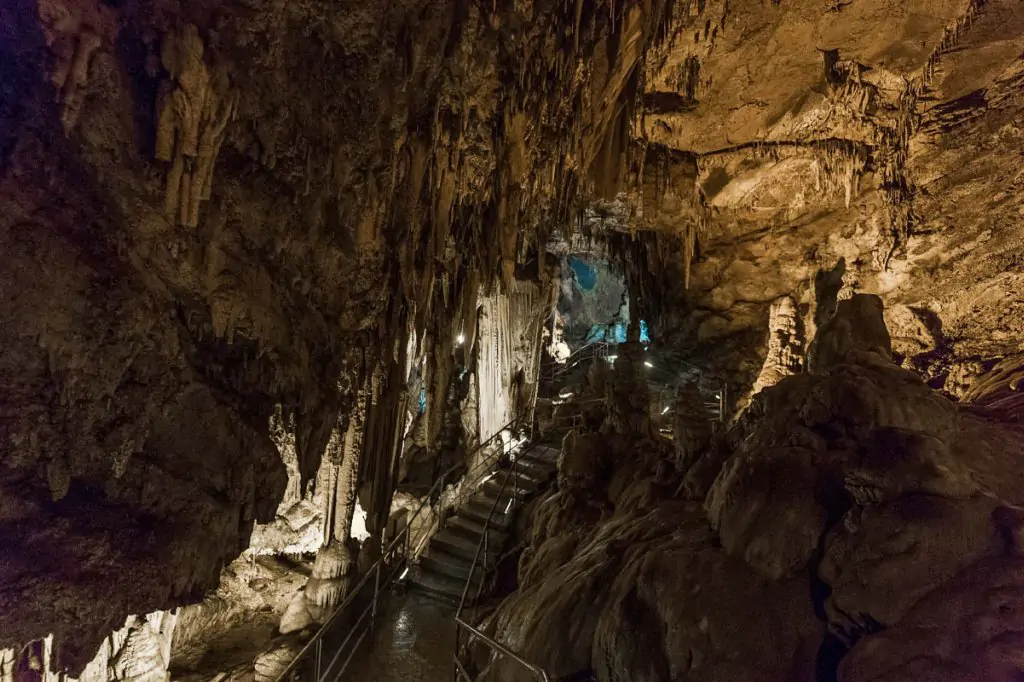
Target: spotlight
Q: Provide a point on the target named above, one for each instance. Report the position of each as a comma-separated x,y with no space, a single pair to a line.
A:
404,573
460,339
665,410
648,363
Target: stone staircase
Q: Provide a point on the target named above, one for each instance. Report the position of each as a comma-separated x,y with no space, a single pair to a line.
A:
444,569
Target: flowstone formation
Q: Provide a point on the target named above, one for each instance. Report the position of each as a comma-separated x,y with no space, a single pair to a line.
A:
861,527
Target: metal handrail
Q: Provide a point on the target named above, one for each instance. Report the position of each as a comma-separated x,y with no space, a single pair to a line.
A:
514,475
597,349
498,646
495,645
402,539
440,482
317,639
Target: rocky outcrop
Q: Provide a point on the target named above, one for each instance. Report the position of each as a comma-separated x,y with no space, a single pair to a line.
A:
860,525
785,344
140,651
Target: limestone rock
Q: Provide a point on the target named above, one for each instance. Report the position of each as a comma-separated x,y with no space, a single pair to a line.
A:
270,665
596,608
967,628
879,561
297,616
857,325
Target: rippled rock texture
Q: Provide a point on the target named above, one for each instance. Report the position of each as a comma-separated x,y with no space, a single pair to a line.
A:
861,525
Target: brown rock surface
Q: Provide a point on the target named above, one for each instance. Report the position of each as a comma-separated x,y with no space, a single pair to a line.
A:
849,501
887,133
224,225
209,211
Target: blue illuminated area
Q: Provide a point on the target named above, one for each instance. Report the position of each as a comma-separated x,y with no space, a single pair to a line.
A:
586,274
615,333
423,399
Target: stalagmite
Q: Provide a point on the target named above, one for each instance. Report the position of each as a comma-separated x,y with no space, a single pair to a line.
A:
785,344
335,561
138,652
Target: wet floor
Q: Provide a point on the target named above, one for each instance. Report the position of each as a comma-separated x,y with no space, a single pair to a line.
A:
413,642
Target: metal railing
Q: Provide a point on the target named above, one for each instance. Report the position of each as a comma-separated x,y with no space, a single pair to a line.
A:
716,407
566,420
459,673
395,559
598,349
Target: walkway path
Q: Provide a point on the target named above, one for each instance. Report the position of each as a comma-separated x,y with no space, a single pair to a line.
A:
413,642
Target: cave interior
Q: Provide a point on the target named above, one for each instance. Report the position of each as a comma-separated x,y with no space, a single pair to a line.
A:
594,340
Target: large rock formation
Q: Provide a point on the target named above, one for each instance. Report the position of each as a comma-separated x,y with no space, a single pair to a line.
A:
850,500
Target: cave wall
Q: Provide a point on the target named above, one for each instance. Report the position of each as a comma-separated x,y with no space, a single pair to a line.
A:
784,136
214,211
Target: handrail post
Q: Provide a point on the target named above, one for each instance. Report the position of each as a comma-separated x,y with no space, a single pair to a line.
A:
408,540
437,507
515,482
376,595
319,656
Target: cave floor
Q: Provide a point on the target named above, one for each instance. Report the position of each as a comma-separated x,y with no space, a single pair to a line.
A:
413,642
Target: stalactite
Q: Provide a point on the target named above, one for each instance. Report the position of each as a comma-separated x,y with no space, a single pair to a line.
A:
493,365
951,37
74,33
193,117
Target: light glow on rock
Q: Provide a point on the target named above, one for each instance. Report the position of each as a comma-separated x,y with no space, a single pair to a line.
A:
359,532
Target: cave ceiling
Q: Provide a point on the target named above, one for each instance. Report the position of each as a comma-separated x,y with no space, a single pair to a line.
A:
784,136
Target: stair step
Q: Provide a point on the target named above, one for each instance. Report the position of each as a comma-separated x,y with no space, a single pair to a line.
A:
479,511
437,584
450,565
541,455
452,557
450,543
487,496
523,489
485,501
472,530
534,470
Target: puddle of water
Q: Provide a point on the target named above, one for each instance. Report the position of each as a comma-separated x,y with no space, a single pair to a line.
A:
413,642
